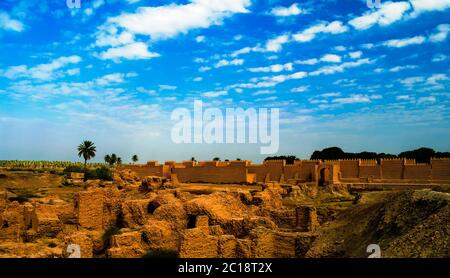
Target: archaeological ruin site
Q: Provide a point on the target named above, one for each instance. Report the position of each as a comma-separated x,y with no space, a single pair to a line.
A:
231,209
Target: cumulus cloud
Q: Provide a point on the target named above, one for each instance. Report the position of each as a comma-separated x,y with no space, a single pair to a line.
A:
398,43
162,22
389,13
215,94
276,44
224,63
287,11
9,24
356,98
133,51
331,58
441,33
47,71
273,68
335,27
421,6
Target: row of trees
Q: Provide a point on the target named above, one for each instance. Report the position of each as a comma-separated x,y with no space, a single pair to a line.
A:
87,150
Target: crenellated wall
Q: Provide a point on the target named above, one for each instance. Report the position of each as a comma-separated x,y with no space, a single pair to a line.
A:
356,170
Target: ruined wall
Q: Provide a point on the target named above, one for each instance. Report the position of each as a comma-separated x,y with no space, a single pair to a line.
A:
440,169
89,209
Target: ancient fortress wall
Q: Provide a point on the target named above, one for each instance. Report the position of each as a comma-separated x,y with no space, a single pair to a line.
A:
356,170
440,169
212,174
392,168
349,169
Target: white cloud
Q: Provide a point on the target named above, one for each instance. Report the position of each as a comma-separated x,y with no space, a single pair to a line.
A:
327,95
403,97
224,63
389,13
110,79
197,79
300,89
430,99
335,27
421,6
168,21
162,22
340,48
204,68
287,11
400,68
312,61
273,68
411,81
340,68
215,94
355,54
356,98
405,42
441,33
167,87
331,58
276,44
131,51
9,24
433,79
200,39
43,71
439,58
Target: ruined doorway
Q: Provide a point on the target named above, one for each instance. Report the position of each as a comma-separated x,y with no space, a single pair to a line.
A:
323,175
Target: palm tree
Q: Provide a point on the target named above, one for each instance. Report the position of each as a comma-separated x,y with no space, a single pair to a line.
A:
216,159
86,150
119,161
135,158
113,159
107,158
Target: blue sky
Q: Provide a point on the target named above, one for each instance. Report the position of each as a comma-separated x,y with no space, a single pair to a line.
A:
342,74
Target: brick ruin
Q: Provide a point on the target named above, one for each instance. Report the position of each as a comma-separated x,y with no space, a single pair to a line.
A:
322,172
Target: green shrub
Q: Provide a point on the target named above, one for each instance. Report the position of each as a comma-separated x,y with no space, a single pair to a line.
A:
100,173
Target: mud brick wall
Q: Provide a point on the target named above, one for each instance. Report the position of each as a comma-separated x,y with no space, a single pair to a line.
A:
291,171
308,171
275,169
349,169
197,243
211,174
440,169
367,171
417,172
89,209
259,170
392,169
